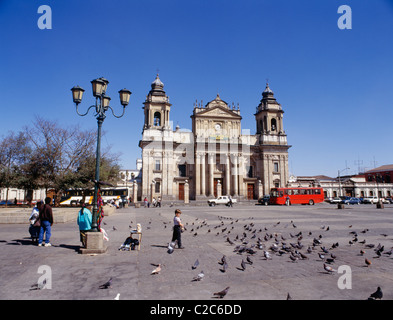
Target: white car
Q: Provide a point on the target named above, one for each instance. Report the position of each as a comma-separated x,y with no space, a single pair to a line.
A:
220,200
372,200
335,200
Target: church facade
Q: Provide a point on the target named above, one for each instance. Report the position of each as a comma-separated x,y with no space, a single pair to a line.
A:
213,158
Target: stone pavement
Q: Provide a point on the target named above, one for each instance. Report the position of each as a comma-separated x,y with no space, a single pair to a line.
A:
77,277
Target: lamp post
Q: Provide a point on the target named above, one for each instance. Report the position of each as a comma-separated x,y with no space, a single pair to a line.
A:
339,179
101,105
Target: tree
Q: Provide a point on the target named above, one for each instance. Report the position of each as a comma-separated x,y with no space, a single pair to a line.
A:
48,156
65,158
57,153
13,151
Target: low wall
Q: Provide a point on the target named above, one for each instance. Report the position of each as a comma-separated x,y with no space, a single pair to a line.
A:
60,215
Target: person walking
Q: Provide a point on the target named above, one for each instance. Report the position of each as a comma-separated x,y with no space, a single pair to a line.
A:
84,221
177,229
35,226
159,202
46,220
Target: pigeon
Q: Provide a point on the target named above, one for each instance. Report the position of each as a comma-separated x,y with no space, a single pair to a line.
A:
249,260
107,284
38,286
171,247
243,265
389,253
329,269
377,294
321,256
362,252
117,297
266,255
199,277
157,270
196,264
289,296
224,267
293,258
324,250
114,228
368,262
303,256
223,260
222,294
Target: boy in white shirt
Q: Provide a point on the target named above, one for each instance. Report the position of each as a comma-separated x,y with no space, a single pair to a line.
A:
178,226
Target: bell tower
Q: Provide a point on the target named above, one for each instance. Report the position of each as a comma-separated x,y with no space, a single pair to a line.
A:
157,107
269,115
272,146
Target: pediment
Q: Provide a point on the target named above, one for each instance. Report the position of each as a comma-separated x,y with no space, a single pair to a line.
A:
217,112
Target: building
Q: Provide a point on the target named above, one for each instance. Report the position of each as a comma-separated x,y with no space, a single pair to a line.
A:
351,186
216,157
382,174
131,179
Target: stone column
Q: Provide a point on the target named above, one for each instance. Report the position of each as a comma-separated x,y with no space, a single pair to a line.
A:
152,185
240,176
260,189
164,174
227,176
203,178
235,176
197,174
186,192
211,175
135,192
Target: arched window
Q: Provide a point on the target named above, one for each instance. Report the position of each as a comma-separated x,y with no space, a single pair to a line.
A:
273,124
157,119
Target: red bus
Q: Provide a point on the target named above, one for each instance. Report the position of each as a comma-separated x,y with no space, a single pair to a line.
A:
295,195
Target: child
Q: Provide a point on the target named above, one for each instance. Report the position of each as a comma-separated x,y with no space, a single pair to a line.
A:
177,228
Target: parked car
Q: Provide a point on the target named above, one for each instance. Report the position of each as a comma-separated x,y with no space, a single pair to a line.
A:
335,200
372,200
9,202
220,200
390,200
352,201
264,200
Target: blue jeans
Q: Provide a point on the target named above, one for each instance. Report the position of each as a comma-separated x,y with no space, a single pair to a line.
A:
45,228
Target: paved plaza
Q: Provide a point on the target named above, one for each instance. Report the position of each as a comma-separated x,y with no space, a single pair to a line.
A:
77,276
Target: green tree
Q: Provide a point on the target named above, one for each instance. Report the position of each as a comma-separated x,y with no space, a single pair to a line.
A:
13,152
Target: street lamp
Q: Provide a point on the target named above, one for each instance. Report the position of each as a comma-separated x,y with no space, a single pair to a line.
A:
99,87
339,179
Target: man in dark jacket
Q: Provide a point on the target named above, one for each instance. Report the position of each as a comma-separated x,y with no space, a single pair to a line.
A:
46,218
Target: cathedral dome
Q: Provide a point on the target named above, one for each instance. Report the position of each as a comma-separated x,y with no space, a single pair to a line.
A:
157,83
157,87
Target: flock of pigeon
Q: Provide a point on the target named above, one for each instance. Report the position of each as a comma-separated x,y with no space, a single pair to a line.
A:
271,243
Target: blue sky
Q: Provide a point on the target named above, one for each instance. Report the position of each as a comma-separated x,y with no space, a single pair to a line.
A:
335,86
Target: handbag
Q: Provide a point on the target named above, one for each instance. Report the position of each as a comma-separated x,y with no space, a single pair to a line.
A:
37,223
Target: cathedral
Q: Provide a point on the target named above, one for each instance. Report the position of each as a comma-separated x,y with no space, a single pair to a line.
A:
214,158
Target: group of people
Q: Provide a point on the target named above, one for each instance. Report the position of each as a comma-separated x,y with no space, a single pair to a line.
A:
155,202
41,221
